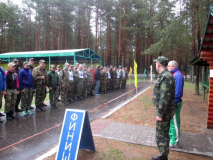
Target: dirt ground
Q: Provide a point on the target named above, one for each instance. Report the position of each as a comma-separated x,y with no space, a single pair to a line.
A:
141,111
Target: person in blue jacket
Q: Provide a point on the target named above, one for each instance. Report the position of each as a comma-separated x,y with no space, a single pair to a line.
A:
174,130
26,87
2,87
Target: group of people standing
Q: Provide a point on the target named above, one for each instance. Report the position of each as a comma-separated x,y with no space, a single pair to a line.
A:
72,83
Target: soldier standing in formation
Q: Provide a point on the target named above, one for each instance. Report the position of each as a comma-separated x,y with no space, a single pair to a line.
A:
40,82
26,88
81,81
12,89
58,71
164,100
70,94
64,80
53,85
31,62
17,70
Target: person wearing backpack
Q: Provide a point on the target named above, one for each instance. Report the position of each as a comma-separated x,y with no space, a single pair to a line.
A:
53,84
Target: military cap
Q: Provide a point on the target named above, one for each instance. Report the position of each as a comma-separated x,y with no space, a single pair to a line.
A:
41,61
77,64
31,59
162,60
26,63
58,66
11,64
119,67
72,65
52,66
66,64
15,60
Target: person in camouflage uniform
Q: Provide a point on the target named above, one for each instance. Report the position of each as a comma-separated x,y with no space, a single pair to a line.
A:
114,81
70,94
31,62
164,100
90,83
84,92
40,82
102,85
26,87
53,85
64,80
58,71
12,89
106,84
81,81
45,89
76,83
126,73
109,80
118,77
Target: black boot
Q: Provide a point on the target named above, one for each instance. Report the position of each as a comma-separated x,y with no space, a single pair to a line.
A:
71,101
41,107
160,157
8,115
12,116
38,108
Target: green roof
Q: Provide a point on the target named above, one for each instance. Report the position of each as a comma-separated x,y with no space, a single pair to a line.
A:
53,54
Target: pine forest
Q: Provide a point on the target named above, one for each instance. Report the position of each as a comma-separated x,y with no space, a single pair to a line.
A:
120,31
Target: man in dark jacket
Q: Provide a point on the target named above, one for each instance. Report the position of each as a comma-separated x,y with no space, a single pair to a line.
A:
26,87
97,80
12,89
53,84
17,70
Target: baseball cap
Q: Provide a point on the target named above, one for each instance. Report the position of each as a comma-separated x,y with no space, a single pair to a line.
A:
31,59
15,60
41,61
52,66
26,63
11,64
162,60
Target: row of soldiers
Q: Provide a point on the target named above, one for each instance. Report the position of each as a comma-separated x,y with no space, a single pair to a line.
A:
72,82
77,82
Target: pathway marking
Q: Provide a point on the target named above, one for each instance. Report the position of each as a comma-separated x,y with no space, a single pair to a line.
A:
53,151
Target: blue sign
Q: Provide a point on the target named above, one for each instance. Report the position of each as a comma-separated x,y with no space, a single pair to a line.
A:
76,131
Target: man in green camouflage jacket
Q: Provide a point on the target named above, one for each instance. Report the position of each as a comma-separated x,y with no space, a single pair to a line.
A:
164,100
40,82
64,80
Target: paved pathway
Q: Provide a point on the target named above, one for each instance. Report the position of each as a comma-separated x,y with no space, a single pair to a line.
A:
31,136
190,142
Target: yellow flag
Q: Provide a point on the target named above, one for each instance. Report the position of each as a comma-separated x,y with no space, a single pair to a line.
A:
136,75
130,72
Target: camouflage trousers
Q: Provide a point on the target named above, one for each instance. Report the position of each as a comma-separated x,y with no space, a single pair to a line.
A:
70,92
109,84
113,83
123,82
53,96
89,87
84,90
40,95
26,98
64,91
10,100
102,86
1,95
162,135
117,83
80,87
